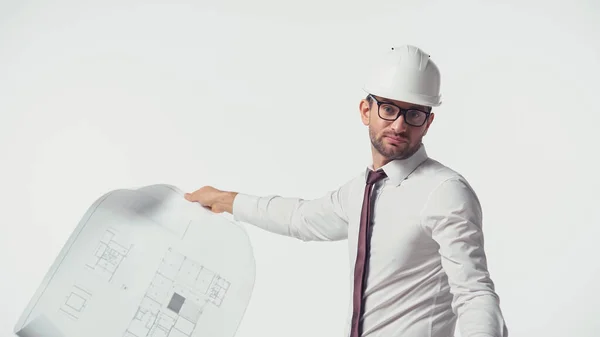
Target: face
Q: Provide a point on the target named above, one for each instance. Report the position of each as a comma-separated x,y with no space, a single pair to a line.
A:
392,140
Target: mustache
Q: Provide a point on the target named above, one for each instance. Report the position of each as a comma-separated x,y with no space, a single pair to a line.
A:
402,135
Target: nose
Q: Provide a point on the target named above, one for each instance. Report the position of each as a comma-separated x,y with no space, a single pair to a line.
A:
399,125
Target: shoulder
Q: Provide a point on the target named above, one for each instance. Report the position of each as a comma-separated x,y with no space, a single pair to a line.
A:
356,181
349,186
446,186
437,175
449,199
438,172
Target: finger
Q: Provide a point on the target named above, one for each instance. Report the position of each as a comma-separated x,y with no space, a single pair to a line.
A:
188,196
217,208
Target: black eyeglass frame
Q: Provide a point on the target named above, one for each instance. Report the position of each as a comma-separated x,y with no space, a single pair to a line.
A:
401,112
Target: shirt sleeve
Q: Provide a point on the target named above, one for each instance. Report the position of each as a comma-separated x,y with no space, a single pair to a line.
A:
453,218
321,219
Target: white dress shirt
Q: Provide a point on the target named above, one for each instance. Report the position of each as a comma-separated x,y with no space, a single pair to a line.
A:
427,265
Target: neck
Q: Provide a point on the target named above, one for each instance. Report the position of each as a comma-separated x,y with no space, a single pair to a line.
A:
380,160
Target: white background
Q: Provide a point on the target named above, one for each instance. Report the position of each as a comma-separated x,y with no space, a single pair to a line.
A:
262,97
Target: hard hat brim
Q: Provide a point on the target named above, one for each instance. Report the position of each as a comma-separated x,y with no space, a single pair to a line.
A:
407,97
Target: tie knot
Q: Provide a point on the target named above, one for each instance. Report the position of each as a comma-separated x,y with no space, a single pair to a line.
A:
375,176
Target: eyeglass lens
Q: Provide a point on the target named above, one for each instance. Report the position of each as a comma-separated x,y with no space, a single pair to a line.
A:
413,117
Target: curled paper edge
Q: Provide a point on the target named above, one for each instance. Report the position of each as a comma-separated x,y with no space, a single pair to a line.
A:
40,326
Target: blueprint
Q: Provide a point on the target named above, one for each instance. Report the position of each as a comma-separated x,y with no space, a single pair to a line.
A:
145,263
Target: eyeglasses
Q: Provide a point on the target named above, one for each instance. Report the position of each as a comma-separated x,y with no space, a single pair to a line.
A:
391,112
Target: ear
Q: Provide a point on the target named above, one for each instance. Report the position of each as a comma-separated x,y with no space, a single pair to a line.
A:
429,121
365,111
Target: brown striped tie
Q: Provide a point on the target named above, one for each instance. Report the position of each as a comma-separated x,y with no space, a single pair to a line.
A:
362,249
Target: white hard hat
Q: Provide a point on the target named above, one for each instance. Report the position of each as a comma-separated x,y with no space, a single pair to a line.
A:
407,74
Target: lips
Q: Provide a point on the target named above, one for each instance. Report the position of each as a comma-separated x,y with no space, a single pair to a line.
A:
397,140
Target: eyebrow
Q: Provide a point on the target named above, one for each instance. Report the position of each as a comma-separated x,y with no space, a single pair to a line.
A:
415,107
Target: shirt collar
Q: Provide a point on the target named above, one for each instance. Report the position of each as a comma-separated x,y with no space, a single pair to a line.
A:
399,169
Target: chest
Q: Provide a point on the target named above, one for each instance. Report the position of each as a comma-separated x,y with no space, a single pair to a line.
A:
395,231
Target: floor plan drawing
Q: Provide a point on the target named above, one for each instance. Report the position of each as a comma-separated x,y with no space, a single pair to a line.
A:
144,262
108,255
176,298
75,302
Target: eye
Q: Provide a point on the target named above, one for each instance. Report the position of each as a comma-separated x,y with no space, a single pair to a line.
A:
415,113
389,109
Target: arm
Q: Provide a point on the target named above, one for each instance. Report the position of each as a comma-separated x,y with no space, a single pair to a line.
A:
321,219
453,218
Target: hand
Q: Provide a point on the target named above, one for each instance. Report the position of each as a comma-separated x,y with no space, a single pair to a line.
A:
213,199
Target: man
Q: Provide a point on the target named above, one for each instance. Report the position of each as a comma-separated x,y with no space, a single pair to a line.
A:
414,226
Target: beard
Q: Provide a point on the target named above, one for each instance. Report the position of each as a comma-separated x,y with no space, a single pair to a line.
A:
393,151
